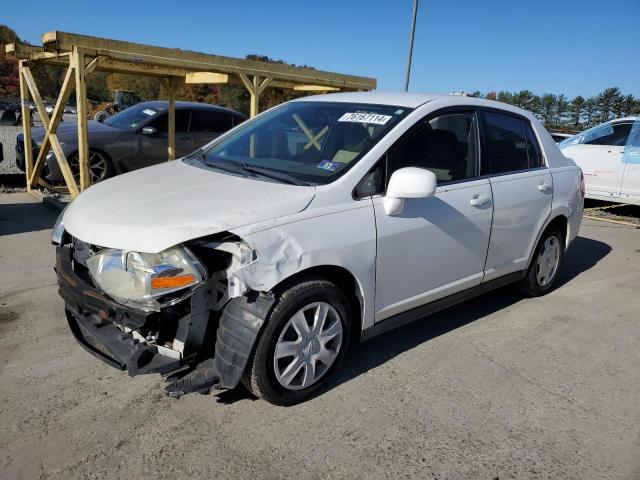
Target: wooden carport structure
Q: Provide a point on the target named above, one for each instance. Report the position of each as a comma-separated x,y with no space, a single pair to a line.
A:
83,55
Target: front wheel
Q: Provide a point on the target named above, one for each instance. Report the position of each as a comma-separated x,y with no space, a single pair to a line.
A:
100,167
543,271
304,339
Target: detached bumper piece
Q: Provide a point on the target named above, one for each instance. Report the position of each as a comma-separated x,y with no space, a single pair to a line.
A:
107,342
241,320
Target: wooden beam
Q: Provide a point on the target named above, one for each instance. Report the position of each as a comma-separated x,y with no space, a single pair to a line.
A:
171,144
206,77
197,61
315,88
26,124
78,61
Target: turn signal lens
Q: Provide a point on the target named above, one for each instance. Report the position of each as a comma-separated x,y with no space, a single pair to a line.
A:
173,282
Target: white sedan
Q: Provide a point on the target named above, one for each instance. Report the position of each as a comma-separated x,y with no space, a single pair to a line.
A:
609,155
262,257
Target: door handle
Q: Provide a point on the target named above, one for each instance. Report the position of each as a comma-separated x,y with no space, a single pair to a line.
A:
479,200
544,186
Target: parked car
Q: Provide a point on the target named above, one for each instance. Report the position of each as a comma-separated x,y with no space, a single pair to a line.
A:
262,257
134,138
609,156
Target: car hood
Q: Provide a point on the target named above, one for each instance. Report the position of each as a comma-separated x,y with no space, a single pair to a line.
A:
70,129
157,207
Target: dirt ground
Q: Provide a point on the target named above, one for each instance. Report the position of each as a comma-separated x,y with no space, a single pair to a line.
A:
498,387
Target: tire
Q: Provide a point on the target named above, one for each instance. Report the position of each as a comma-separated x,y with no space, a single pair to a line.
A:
100,166
306,372
101,116
542,274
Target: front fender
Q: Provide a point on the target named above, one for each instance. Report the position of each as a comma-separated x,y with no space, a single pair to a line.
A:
345,239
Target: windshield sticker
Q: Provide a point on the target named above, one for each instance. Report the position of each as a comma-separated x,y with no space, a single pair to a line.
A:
148,111
365,118
328,165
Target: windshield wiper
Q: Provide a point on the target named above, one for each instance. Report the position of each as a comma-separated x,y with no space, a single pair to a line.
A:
230,167
235,166
266,172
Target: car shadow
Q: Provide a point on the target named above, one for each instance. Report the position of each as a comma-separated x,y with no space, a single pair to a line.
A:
583,255
26,217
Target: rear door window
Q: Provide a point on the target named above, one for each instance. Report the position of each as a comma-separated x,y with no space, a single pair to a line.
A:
205,121
506,146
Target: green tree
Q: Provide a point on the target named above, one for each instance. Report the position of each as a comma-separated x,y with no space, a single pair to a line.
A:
576,109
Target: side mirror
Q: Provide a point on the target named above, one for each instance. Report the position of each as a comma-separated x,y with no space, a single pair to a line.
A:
408,182
149,131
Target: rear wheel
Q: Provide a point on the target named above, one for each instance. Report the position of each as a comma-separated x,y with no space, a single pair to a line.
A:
304,340
543,271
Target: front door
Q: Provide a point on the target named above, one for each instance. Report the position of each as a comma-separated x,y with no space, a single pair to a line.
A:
152,149
600,156
436,246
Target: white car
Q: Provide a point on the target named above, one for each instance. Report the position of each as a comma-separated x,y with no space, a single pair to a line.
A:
324,221
609,156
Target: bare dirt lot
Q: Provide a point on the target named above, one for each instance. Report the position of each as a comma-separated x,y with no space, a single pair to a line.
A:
498,387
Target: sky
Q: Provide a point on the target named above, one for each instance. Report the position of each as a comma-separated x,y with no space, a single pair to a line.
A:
561,46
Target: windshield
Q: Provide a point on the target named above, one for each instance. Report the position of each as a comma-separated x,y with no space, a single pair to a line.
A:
132,117
304,142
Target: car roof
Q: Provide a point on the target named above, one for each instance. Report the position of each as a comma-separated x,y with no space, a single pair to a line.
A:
164,105
400,99
414,100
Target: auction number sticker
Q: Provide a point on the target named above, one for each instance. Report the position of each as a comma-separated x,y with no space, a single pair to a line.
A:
148,112
374,118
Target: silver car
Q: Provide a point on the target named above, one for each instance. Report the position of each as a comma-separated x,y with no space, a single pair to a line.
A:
134,138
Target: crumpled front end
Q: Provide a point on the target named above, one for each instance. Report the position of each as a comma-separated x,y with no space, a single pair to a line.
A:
206,334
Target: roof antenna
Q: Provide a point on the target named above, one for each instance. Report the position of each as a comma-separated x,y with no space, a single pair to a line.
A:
411,34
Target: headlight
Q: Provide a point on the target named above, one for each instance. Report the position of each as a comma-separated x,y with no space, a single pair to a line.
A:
58,229
142,279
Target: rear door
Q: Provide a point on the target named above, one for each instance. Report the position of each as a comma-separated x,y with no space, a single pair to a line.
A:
437,246
522,189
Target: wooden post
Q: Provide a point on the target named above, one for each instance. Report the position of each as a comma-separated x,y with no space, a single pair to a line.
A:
26,124
171,147
81,103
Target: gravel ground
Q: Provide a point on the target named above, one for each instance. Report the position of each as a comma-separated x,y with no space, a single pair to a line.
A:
8,140
495,388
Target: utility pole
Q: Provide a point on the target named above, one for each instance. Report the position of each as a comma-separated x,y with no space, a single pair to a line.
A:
411,34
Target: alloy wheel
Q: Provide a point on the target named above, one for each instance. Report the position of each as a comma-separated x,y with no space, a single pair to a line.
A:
97,167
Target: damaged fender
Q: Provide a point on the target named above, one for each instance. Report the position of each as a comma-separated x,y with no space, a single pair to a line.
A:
346,238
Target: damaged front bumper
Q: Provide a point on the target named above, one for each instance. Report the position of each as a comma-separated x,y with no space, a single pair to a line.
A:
220,341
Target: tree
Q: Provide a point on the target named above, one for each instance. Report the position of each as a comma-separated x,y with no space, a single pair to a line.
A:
576,109
562,108
548,107
606,102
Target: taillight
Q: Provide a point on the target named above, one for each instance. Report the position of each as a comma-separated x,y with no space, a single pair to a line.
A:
582,184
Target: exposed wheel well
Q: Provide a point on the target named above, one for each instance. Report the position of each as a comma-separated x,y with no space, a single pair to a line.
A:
345,281
562,223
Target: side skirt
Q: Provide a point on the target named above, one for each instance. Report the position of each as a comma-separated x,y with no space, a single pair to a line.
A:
423,311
